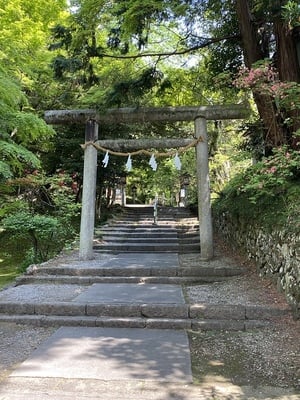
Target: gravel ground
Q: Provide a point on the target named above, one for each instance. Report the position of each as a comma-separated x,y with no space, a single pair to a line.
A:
268,357
247,289
17,342
264,357
42,293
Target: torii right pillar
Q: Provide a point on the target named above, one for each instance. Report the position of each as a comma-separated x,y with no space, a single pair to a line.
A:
203,184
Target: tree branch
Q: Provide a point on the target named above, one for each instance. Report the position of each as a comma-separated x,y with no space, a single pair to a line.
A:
205,43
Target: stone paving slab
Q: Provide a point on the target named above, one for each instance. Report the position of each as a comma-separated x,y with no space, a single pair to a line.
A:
111,354
127,260
149,260
109,293
131,293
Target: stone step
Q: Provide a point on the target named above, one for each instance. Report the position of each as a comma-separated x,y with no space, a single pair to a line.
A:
150,224
137,248
137,231
140,239
182,316
134,322
199,311
132,272
89,280
146,216
183,234
146,248
135,226
136,234
132,209
144,222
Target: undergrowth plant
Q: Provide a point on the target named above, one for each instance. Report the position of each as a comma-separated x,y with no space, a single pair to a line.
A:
46,214
46,233
267,192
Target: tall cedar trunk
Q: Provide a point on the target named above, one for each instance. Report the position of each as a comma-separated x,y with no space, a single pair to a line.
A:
288,67
253,51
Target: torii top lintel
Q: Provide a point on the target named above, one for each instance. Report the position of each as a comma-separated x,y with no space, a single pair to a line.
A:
151,114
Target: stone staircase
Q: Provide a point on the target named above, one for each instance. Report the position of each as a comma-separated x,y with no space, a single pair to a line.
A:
134,281
175,231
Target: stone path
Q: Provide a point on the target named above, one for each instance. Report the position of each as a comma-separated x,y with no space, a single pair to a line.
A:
111,354
101,308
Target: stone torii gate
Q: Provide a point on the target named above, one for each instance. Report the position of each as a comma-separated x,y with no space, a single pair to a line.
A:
92,118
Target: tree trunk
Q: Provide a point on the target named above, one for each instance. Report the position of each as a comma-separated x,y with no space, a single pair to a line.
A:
254,51
288,67
250,39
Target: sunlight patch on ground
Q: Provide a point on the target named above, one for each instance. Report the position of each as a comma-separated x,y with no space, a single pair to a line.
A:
216,363
8,274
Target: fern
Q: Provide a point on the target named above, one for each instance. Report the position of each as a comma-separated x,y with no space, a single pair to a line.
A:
5,171
30,128
11,93
16,158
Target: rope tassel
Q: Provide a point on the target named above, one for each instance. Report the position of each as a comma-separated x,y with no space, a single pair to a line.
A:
129,164
105,160
153,163
177,162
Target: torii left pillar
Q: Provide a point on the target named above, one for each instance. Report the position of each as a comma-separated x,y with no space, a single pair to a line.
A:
87,224
204,205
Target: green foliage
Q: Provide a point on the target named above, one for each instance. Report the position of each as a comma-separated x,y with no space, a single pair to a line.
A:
11,94
26,25
52,195
31,130
11,257
5,170
47,232
17,158
266,192
45,215
44,232
63,190
273,174
129,92
291,13
19,130
270,176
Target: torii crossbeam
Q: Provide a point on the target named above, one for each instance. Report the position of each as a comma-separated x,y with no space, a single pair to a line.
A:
92,118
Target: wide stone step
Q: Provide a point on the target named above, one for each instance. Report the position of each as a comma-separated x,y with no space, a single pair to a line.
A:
199,311
151,316
134,322
139,227
88,280
143,221
140,239
136,234
152,247
146,217
131,272
149,238
160,228
137,248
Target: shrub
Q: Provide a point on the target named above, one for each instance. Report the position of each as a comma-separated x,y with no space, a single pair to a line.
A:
46,233
266,192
